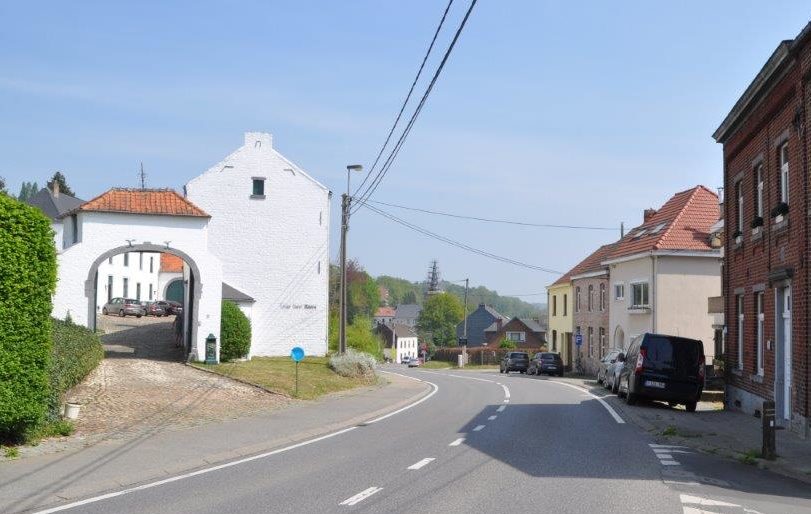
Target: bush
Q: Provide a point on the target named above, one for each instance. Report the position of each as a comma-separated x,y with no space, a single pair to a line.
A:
76,352
27,282
353,364
359,335
235,333
507,344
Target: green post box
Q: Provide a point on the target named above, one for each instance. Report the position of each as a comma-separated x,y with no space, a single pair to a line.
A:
211,349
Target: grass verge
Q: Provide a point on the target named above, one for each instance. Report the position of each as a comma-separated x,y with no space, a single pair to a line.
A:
750,457
278,374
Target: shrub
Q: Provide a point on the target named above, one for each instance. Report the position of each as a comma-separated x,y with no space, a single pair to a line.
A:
507,344
359,335
353,364
76,352
235,333
27,282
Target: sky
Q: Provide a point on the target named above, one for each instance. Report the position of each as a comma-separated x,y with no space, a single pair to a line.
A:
575,113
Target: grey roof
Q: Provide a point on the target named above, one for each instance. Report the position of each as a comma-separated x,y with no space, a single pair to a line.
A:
229,293
530,323
477,322
407,311
54,206
403,331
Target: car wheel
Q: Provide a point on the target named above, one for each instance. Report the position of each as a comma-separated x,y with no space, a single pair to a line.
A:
137,315
690,406
121,313
501,370
104,310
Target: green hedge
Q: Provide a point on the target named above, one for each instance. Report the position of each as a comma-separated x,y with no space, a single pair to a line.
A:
235,332
27,282
76,352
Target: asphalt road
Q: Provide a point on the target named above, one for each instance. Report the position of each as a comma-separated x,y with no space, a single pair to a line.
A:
482,442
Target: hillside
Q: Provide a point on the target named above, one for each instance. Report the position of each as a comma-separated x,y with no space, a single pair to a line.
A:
404,291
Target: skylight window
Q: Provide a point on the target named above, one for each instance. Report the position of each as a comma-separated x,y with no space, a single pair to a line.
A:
640,233
658,228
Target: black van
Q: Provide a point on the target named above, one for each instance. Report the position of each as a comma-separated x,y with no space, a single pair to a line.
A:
662,367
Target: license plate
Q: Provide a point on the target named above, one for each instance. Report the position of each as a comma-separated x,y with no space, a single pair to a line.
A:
652,383
552,367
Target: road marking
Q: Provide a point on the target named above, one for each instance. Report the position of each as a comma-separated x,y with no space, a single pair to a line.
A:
609,408
421,463
361,496
665,446
457,442
506,392
410,405
667,450
491,418
670,462
478,428
501,409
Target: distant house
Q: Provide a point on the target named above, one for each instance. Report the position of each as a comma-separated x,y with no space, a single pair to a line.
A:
54,204
560,324
407,314
477,322
524,332
384,316
399,341
590,286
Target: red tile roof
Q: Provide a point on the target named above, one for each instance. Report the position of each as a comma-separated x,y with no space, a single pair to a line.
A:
384,312
683,223
164,202
589,264
171,263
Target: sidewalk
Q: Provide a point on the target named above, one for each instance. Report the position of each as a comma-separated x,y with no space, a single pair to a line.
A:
41,481
712,430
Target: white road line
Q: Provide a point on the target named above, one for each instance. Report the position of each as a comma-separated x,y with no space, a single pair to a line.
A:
665,446
669,463
457,442
491,418
410,405
421,463
668,450
609,408
361,496
478,428
501,409
506,392
704,502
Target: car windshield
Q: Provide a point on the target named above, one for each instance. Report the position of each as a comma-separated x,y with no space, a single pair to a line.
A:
548,356
519,355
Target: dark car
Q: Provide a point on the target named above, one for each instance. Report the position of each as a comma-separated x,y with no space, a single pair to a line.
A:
662,367
123,307
514,361
604,368
546,362
154,309
171,307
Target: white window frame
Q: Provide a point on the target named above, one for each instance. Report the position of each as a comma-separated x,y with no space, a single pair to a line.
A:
646,289
590,301
521,336
759,190
602,297
784,165
590,336
761,318
740,308
577,299
619,286
739,200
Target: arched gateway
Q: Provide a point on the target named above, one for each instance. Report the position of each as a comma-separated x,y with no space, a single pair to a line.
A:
134,220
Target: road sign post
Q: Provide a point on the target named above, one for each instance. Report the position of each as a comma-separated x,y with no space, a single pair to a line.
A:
297,354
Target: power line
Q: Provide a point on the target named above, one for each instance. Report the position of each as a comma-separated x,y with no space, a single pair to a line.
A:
458,244
370,189
491,220
408,96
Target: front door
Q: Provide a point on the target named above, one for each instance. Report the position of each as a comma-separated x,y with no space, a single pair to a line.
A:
782,381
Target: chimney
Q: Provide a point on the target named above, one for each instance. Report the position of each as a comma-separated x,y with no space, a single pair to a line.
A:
648,214
499,322
56,189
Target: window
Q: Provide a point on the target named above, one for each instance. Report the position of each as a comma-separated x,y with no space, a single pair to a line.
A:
554,305
602,342
258,187
591,298
126,286
109,287
591,341
639,295
141,261
152,265
658,228
602,297
577,299
517,337
565,302
759,191
554,340
138,291
784,173
150,292
740,331
74,226
126,260
619,291
760,321
739,214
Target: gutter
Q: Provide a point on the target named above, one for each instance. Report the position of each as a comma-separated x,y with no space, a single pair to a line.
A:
654,261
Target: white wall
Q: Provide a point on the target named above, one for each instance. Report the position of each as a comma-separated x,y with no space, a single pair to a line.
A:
134,273
407,347
632,323
275,249
100,232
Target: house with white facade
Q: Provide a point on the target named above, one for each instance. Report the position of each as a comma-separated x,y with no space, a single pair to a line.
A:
53,203
129,275
399,342
269,227
663,271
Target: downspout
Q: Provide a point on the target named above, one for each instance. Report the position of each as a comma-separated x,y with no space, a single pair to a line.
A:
654,261
803,134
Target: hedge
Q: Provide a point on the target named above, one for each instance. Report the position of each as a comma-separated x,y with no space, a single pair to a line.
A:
27,282
76,352
235,332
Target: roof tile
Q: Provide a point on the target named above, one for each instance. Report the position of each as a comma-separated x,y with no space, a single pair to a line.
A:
166,202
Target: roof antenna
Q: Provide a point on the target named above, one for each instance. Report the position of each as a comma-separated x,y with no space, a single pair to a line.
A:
142,177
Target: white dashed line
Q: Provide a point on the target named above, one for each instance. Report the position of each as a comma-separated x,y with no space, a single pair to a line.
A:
491,418
501,409
457,442
421,463
664,453
361,496
478,428
506,392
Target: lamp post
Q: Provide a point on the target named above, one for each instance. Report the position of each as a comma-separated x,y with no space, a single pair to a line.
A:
345,203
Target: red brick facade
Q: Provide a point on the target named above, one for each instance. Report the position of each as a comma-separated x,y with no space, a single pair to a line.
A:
591,318
761,261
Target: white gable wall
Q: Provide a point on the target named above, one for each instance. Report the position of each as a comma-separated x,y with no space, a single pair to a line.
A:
274,249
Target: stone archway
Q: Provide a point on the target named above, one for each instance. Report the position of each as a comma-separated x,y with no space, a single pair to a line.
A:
619,338
190,311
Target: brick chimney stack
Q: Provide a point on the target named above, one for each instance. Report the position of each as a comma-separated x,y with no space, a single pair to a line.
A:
56,189
648,214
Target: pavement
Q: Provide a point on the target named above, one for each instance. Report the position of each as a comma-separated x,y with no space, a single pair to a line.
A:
458,441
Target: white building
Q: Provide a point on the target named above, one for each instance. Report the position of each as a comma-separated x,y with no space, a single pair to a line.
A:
663,271
54,204
129,275
270,228
399,341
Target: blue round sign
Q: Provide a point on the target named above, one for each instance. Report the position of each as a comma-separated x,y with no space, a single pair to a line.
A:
297,354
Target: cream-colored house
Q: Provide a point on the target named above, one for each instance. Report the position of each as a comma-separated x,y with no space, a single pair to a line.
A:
559,311
663,271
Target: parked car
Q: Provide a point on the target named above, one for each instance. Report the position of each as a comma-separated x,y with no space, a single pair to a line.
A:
612,373
154,309
546,362
663,367
413,362
123,307
514,361
606,363
171,307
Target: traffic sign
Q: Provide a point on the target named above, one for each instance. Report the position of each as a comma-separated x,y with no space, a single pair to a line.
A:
463,341
297,354
578,339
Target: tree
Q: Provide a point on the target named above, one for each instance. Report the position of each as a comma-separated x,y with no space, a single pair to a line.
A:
63,184
439,316
410,297
507,344
27,190
3,190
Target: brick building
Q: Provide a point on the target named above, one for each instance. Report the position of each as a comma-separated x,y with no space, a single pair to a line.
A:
766,238
590,317
523,332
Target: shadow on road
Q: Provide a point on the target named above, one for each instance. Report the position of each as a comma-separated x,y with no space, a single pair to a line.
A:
154,341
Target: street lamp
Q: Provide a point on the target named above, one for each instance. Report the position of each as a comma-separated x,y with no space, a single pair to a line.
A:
345,202
349,169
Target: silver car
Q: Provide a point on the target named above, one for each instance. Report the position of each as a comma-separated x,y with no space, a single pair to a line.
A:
611,380
605,363
124,307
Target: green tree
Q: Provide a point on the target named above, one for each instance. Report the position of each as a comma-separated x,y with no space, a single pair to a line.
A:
27,190
59,178
439,316
363,295
507,344
3,190
410,297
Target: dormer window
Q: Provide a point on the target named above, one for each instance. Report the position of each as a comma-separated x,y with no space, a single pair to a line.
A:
258,188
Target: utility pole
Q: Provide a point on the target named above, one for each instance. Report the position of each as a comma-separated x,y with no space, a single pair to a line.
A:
622,229
346,201
464,327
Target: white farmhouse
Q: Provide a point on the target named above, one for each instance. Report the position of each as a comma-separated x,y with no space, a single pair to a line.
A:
270,229
663,271
399,341
129,275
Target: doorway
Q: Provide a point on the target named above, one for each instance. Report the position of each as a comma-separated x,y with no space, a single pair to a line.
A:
783,354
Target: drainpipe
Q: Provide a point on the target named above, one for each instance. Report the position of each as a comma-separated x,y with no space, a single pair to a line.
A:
652,299
803,134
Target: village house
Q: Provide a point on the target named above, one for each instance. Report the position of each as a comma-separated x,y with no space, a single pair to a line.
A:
522,332
399,342
591,308
559,312
383,316
766,238
477,322
407,314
